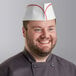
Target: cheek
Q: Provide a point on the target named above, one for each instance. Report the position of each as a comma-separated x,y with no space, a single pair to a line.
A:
34,36
54,36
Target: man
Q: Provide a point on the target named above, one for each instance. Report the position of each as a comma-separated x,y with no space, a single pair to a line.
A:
39,31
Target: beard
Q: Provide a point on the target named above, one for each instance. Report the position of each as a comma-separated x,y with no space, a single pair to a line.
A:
38,51
34,49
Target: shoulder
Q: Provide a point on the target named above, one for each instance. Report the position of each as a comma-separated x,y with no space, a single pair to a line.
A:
12,59
15,60
12,63
63,63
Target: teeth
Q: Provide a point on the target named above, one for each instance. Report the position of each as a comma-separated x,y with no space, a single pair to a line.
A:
45,42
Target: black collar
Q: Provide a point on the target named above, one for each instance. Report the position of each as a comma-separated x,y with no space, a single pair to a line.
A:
31,58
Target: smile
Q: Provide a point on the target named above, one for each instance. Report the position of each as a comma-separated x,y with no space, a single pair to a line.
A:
44,42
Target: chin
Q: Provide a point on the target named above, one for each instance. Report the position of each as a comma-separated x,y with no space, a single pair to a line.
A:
46,49
44,52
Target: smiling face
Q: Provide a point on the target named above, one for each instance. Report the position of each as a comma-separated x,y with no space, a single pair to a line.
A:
40,37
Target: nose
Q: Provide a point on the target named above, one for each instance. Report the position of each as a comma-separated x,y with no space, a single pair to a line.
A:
45,34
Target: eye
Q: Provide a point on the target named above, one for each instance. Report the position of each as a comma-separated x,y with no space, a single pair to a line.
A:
37,29
50,29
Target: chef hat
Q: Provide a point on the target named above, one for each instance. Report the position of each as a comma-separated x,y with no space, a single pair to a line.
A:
39,12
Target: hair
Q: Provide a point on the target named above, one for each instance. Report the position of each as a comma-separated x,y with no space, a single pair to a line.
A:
25,24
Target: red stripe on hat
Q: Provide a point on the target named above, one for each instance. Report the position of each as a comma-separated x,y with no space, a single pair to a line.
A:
46,10
37,5
41,8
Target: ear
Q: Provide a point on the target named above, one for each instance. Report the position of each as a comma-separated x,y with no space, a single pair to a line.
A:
24,32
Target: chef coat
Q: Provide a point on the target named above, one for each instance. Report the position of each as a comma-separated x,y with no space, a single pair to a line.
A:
23,64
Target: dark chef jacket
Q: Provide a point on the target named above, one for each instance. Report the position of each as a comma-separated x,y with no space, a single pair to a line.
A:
24,64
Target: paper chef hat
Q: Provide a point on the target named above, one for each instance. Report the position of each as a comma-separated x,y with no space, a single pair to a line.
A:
39,12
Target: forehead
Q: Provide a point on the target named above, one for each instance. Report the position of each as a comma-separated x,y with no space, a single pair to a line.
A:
42,23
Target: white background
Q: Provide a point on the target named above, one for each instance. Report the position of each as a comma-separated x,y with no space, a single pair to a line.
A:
12,41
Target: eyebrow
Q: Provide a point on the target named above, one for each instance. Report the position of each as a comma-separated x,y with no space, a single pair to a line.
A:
51,26
36,26
41,27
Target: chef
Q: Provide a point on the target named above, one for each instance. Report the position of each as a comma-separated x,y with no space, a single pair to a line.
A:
39,32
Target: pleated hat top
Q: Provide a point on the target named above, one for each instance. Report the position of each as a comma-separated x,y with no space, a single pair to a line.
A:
37,12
